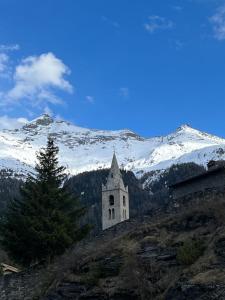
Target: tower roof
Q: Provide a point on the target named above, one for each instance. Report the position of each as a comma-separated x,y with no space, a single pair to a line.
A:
115,180
114,166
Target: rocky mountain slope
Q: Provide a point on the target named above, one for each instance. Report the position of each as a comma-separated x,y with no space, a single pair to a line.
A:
84,149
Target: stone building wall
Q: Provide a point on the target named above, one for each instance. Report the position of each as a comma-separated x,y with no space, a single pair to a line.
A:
200,198
215,180
118,207
27,285
106,221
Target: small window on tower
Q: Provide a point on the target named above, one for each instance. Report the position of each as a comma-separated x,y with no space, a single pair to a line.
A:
124,201
112,175
113,213
111,200
110,214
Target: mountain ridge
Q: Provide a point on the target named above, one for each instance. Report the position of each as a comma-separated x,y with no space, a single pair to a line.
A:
83,149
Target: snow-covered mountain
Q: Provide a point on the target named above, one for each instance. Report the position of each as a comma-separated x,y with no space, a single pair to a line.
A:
84,149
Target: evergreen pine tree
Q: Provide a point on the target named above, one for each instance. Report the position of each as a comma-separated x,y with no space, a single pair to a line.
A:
44,221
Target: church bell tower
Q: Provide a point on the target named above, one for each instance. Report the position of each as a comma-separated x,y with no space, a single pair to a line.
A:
115,198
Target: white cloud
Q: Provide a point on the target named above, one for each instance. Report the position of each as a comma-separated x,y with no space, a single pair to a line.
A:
12,47
176,44
11,123
158,23
110,22
124,92
177,8
218,22
4,59
90,99
48,111
37,77
5,68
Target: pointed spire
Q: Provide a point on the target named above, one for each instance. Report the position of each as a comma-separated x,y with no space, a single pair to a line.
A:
114,180
114,166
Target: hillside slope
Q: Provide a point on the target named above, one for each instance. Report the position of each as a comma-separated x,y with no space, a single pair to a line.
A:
172,257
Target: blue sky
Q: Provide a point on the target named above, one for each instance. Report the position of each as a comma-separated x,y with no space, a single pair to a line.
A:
145,65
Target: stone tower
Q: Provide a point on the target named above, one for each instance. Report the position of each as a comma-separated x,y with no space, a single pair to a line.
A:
115,198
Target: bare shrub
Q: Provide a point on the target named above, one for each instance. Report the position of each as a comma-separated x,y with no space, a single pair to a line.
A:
190,251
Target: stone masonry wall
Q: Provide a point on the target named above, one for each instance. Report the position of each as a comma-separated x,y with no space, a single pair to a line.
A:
27,285
215,180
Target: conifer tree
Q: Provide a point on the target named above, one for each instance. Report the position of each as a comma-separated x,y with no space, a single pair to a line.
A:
44,221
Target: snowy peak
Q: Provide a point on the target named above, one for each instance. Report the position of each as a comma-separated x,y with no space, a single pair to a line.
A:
43,120
185,127
187,130
187,133
83,149
46,123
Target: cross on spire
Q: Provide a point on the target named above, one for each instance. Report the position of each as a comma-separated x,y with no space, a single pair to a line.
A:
114,149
